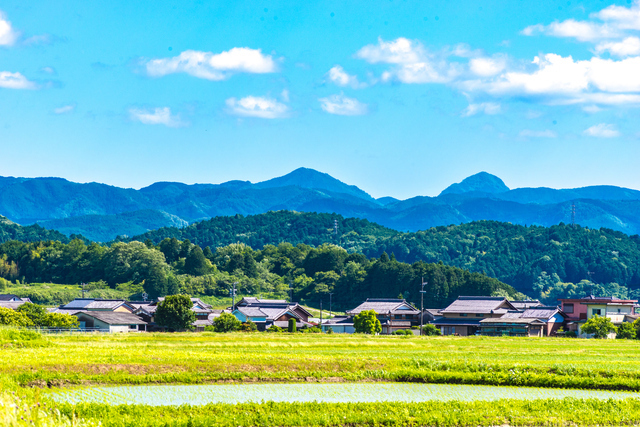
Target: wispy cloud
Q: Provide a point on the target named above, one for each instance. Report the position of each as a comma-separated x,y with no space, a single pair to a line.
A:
8,35
11,80
210,66
343,106
339,77
65,109
484,107
255,106
528,133
157,116
603,130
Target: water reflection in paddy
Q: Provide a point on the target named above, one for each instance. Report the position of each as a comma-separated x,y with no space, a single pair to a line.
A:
351,392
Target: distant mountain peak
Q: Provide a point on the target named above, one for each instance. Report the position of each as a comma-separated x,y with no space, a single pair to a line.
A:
311,178
482,182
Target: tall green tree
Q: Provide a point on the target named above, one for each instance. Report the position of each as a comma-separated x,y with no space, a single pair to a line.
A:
175,313
366,322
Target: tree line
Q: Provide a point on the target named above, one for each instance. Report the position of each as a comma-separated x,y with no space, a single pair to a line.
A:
300,272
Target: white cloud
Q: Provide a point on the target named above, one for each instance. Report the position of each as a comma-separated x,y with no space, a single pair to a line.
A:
158,116
602,130
338,76
210,66
485,107
528,133
8,35
11,80
254,106
48,70
628,47
486,67
65,109
626,18
413,63
343,106
580,30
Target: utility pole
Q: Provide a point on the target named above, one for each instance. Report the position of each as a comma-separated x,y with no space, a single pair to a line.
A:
422,304
330,311
232,293
83,290
290,292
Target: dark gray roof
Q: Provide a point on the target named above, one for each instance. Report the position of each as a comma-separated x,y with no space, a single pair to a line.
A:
115,318
94,304
9,297
385,306
541,312
483,305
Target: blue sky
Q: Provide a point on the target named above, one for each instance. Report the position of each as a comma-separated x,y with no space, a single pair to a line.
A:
400,98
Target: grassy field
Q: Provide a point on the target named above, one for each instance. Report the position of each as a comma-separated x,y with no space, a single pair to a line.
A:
38,361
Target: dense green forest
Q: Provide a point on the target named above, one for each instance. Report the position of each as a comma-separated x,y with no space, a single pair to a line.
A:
32,233
302,272
542,262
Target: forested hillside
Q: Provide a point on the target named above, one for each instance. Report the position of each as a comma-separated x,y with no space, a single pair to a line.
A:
542,262
33,233
307,274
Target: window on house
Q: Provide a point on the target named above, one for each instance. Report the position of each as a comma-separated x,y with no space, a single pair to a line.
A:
619,311
463,314
568,308
479,314
133,326
596,311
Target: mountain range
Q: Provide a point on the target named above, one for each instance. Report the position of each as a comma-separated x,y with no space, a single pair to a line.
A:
102,212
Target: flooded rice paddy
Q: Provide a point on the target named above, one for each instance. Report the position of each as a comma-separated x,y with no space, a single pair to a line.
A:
175,395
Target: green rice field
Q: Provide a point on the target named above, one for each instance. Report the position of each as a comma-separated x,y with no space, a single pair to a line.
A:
573,378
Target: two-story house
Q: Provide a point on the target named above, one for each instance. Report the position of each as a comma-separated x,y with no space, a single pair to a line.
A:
579,310
266,313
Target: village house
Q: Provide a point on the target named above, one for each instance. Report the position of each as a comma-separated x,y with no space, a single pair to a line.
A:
12,301
339,325
393,313
111,321
266,313
463,316
203,312
94,304
579,310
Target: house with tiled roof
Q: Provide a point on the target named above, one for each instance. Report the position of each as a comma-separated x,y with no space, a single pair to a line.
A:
111,321
12,301
266,313
463,316
203,312
536,321
393,313
95,304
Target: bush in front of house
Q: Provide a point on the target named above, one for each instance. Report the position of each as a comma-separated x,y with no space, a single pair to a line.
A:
226,322
175,313
291,327
275,328
599,326
626,331
403,332
248,326
431,330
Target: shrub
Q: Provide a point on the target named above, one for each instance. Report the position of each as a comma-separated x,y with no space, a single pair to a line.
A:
13,318
248,326
626,331
329,330
571,334
599,326
175,313
292,326
403,332
226,322
275,328
431,330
